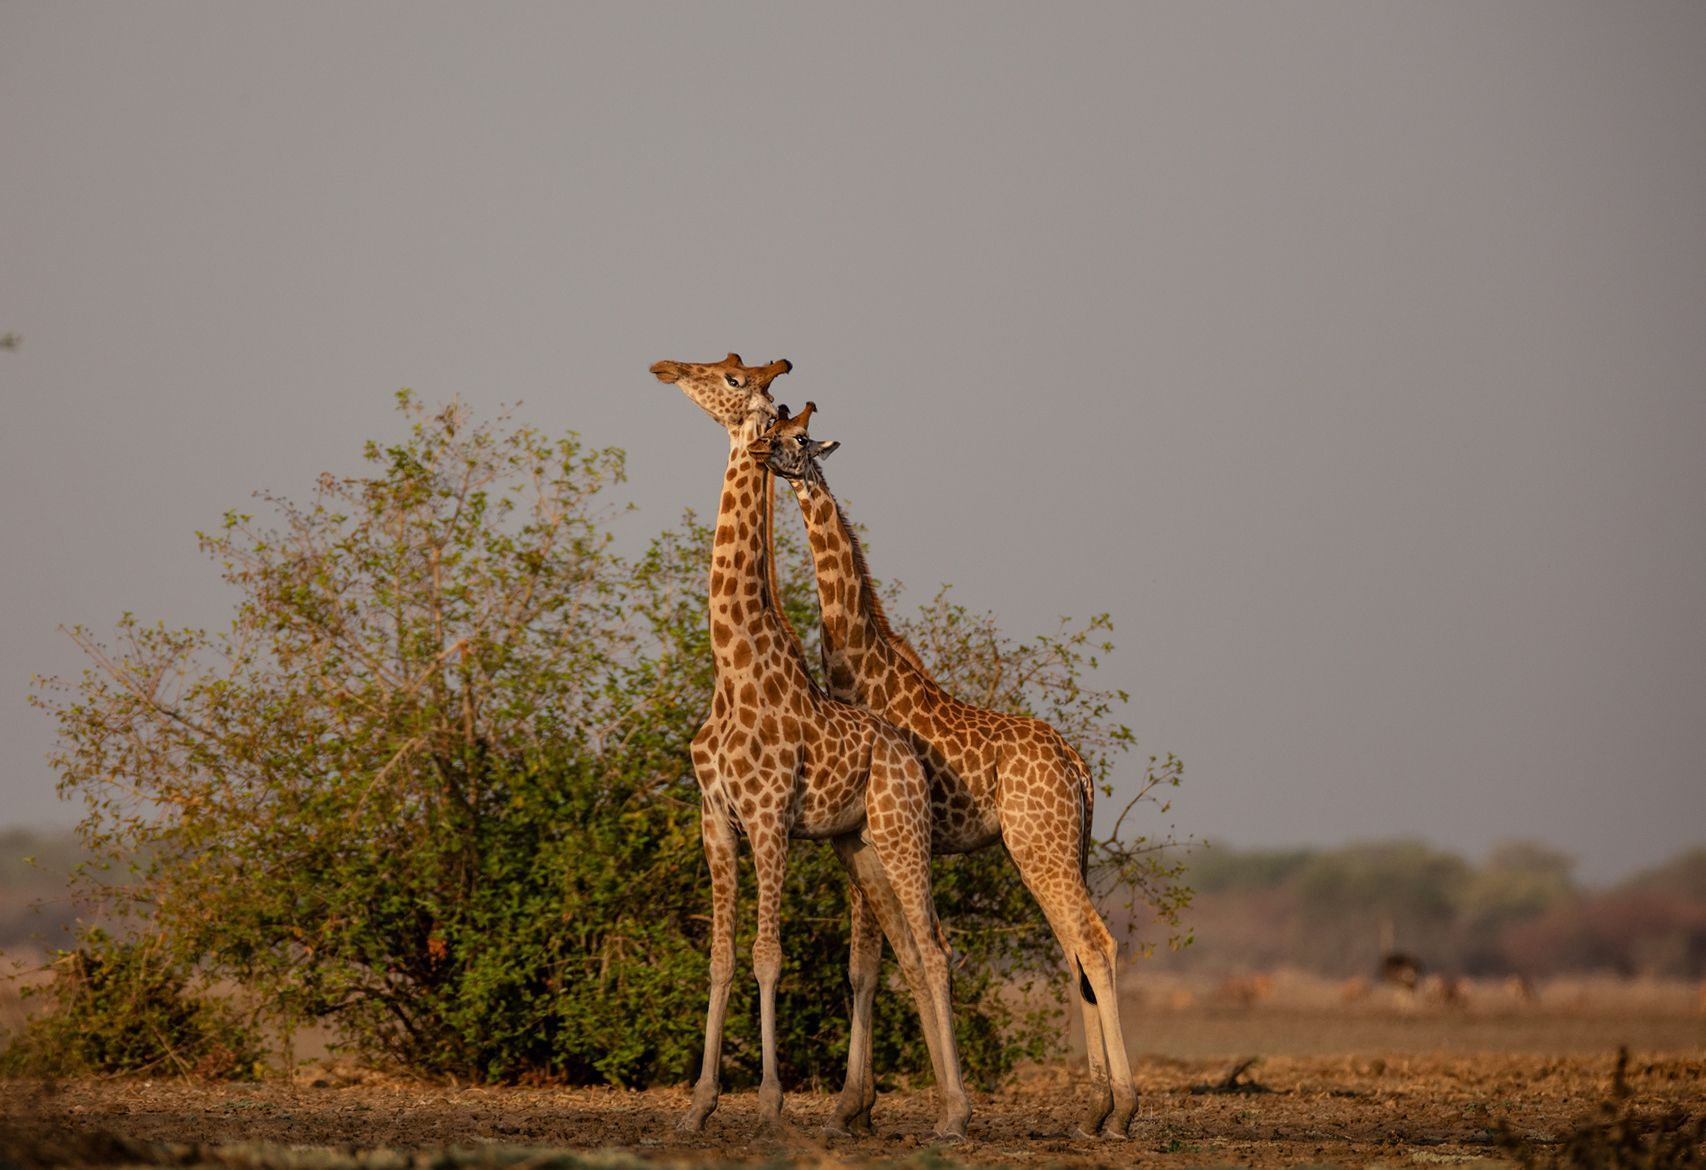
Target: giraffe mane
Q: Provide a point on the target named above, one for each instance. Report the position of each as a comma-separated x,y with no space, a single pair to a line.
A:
791,635
873,604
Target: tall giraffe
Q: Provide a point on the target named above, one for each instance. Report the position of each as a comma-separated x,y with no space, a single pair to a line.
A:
993,776
777,758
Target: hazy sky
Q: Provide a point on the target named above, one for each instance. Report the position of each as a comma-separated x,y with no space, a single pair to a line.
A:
1352,355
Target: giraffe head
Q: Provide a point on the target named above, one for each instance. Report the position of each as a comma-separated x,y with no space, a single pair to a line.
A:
728,391
788,450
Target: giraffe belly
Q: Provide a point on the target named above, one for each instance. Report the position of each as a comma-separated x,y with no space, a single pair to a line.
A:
960,823
794,809
963,838
819,815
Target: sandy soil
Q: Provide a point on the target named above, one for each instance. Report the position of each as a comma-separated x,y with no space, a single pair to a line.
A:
1373,1082
1343,1111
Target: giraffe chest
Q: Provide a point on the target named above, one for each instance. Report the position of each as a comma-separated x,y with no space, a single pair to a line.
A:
778,776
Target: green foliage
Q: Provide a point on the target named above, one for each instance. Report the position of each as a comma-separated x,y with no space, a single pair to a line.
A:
432,783
128,1007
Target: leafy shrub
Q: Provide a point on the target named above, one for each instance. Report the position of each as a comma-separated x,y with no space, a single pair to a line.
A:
432,785
127,1007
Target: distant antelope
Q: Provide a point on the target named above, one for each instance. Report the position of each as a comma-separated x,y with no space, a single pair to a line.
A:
1521,989
1401,970
1244,990
1397,967
1354,990
1446,990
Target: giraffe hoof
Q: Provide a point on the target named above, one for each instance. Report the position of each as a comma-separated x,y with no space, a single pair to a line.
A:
1119,1123
780,1129
850,1121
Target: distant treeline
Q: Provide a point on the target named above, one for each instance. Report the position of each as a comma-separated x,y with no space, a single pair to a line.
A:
35,896
1334,911
1331,911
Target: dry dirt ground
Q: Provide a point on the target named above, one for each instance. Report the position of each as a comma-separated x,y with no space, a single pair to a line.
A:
1334,1086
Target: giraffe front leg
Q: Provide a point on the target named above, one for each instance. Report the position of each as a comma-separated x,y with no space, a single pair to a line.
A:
770,860
719,839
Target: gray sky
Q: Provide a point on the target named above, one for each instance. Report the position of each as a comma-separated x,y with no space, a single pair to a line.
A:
1353,356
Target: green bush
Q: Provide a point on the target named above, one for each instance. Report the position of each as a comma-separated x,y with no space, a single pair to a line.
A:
432,785
127,1007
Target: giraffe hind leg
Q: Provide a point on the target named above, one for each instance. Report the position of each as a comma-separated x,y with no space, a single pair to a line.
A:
1099,971
864,967
1055,880
883,904
1101,1099
899,865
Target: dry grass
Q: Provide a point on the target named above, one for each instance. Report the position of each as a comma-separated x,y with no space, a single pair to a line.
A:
1375,1081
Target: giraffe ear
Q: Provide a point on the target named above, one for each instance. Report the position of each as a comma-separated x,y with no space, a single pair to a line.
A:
822,451
668,371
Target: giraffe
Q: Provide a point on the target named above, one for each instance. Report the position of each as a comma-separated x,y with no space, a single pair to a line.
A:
777,758
993,776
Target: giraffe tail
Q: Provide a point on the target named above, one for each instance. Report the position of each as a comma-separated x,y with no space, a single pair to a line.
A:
1086,807
1084,988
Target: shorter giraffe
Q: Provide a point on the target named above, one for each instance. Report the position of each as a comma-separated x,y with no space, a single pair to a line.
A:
776,758
993,776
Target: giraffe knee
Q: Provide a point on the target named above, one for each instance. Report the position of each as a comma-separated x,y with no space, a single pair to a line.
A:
767,961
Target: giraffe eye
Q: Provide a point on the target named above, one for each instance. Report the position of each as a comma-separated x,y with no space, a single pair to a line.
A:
732,380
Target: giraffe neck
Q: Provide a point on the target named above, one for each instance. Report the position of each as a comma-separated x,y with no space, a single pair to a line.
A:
749,638
860,648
